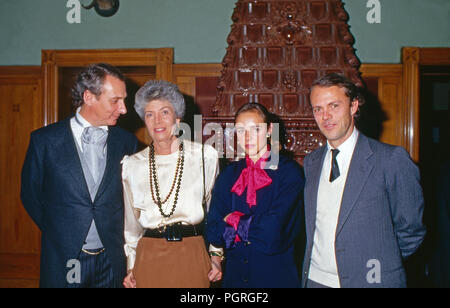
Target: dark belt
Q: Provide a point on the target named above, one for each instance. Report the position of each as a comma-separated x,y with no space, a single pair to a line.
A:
175,232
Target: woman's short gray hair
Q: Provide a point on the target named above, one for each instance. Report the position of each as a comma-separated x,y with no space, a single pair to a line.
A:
159,90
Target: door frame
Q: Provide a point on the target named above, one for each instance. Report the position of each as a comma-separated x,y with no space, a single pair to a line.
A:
52,60
413,58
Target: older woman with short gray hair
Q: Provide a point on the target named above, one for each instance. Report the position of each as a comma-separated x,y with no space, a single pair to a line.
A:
157,90
165,188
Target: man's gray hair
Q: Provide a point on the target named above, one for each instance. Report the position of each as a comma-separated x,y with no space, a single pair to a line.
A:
92,79
159,90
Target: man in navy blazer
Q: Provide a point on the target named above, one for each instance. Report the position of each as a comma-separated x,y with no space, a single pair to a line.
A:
363,199
77,204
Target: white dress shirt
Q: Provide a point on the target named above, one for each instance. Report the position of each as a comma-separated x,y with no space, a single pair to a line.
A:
141,212
323,267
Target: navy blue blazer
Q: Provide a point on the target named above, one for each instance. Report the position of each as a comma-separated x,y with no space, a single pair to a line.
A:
267,259
380,217
55,194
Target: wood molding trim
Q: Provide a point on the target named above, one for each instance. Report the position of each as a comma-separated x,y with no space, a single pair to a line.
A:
185,75
187,71
398,91
194,70
52,60
410,57
434,56
21,75
413,58
19,266
390,93
381,70
20,71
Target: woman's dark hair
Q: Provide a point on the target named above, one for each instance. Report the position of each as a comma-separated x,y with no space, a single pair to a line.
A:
268,118
352,91
92,79
255,107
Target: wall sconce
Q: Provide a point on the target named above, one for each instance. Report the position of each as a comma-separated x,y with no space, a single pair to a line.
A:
105,8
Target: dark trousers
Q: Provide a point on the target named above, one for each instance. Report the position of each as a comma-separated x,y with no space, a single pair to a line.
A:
95,271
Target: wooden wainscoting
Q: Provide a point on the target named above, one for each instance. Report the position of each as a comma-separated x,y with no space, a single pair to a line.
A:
20,113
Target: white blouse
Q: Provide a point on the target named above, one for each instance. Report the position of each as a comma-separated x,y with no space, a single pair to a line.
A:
142,213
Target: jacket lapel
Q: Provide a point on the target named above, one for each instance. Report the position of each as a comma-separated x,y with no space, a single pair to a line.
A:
312,187
71,160
358,174
113,158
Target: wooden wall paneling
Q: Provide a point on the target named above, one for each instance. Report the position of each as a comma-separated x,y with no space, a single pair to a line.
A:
189,78
390,93
186,84
20,113
20,284
185,75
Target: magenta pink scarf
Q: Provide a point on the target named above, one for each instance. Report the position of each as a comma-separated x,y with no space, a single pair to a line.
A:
254,177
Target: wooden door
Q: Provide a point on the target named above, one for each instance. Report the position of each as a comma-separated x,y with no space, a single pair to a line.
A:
20,113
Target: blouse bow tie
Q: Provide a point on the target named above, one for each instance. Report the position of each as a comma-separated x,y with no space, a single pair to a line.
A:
254,177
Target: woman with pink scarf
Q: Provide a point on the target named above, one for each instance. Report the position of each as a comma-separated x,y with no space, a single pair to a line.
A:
256,210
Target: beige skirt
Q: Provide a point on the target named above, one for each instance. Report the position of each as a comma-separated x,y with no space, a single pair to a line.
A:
163,264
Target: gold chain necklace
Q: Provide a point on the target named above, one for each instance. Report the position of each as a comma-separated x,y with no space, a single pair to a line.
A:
154,178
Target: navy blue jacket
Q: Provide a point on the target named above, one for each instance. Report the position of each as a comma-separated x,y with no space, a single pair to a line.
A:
267,259
380,219
55,194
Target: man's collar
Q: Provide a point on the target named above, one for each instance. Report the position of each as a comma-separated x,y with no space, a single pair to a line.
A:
83,122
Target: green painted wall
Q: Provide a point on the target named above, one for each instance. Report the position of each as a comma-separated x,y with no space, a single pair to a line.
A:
419,23
197,29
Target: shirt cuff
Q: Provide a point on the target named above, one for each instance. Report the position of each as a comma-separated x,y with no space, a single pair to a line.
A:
243,227
213,248
131,259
